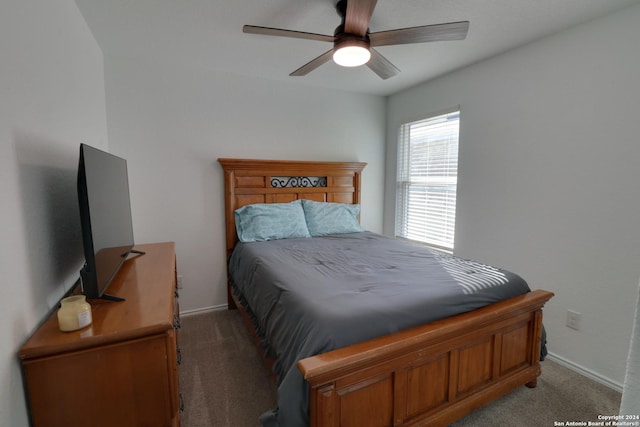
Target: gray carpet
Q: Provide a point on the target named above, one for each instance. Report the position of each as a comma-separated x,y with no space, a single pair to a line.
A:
225,384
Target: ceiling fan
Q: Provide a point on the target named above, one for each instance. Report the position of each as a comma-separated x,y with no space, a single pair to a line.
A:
353,44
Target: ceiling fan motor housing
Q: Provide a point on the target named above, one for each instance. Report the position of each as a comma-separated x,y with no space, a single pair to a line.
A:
344,39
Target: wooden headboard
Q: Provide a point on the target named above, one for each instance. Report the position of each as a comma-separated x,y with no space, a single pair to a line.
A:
280,181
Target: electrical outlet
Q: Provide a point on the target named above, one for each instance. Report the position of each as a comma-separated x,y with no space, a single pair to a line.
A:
179,281
573,320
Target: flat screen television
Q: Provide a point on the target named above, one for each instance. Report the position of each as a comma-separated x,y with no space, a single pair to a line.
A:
105,218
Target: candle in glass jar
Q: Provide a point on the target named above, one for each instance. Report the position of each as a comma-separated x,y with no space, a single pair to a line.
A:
74,313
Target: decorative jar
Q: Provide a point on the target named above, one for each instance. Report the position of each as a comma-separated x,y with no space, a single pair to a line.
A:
74,313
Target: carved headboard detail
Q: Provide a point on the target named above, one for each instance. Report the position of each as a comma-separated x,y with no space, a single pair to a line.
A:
279,181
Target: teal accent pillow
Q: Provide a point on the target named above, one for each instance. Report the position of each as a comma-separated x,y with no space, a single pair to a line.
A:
271,221
331,218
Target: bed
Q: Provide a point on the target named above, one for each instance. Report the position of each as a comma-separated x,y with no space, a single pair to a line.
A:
430,373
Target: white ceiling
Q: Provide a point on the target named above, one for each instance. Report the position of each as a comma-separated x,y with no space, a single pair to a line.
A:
208,33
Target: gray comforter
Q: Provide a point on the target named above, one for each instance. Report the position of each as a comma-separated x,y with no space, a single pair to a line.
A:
309,296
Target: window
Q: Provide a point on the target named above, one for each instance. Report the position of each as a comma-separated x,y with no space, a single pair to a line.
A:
427,180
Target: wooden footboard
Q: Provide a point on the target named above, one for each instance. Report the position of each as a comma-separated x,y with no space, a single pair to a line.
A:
430,375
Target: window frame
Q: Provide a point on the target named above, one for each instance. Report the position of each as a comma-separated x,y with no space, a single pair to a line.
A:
428,182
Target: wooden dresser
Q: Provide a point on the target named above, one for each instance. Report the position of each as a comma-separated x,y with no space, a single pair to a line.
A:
123,369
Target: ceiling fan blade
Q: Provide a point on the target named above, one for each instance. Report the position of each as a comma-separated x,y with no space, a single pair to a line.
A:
266,31
313,64
358,16
381,65
426,33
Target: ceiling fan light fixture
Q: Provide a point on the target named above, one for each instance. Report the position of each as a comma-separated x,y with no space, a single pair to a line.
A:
352,53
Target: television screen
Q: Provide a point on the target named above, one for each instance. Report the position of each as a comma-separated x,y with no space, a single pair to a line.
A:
105,213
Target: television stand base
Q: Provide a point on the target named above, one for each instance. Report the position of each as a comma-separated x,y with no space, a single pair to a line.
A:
111,298
132,251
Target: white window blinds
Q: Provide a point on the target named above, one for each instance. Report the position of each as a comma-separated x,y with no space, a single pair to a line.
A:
427,180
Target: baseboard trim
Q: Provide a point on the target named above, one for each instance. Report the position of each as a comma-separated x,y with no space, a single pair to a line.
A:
203,310
585,372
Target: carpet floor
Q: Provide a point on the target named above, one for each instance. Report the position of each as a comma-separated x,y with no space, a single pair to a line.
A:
224,383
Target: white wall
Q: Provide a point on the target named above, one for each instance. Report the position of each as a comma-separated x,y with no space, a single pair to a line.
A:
172,123
549,175
51,99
